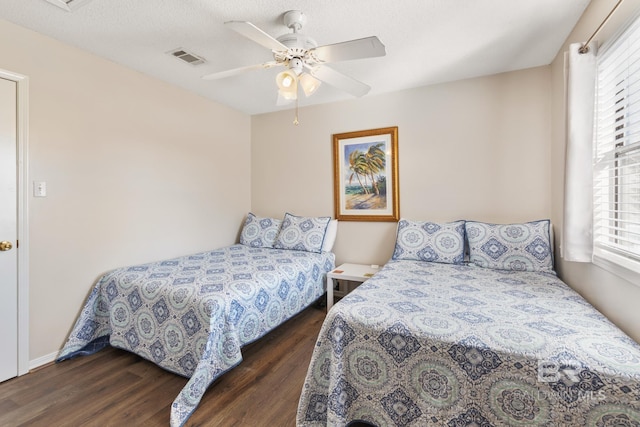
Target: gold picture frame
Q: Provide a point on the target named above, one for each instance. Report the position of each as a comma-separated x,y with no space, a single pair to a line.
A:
365,165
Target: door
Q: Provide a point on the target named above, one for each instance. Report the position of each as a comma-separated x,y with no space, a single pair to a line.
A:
8,231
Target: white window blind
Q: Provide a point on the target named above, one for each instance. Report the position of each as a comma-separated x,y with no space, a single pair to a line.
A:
616,169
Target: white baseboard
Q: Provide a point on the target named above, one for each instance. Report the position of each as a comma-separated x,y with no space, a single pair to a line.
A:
43,360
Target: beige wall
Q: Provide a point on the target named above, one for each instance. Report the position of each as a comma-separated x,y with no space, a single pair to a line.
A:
473,149
137,170
613,296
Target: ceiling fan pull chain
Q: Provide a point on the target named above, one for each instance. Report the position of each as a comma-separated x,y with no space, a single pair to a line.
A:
295,120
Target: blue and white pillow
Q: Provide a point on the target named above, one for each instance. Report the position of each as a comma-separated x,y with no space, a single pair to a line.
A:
520,247
302,233
259,232
430,241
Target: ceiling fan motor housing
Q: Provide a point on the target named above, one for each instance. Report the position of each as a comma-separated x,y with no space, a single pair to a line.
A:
297,40
297,47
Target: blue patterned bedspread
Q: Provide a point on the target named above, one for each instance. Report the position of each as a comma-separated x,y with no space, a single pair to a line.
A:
438,344
191,315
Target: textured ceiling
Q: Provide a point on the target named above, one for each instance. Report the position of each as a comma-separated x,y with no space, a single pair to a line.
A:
427,41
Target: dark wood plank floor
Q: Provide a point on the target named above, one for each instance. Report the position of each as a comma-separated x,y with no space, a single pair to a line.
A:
117,388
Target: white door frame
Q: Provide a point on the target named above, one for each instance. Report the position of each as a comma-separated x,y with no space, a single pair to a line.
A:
22,83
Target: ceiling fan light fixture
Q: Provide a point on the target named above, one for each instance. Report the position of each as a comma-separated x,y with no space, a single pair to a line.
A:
309,83
285,98
287,81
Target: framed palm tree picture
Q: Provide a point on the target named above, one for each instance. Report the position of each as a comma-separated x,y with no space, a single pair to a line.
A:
366,175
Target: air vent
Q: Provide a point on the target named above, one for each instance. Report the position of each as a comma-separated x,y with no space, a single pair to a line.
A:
188,57
69,5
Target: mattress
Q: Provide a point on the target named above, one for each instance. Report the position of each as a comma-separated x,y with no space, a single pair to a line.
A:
424,343
191,315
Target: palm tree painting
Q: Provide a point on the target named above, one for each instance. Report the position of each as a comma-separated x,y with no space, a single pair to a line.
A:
365,168
366,175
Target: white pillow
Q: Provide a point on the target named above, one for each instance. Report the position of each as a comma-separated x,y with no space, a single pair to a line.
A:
330,236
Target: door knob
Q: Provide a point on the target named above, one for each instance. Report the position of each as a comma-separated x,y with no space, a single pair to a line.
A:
5,246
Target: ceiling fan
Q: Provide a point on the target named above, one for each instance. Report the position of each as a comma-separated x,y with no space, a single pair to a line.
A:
303,59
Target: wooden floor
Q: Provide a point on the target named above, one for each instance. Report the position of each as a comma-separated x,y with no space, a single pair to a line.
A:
117,388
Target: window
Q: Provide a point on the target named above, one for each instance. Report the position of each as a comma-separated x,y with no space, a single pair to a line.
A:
616,168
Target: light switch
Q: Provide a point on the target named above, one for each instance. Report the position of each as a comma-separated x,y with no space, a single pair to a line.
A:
39,189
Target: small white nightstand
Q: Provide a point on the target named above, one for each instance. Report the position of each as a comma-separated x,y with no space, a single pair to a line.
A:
350,272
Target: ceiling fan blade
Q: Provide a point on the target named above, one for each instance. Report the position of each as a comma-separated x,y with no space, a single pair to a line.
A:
254,33
339,80
240,70
367,47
